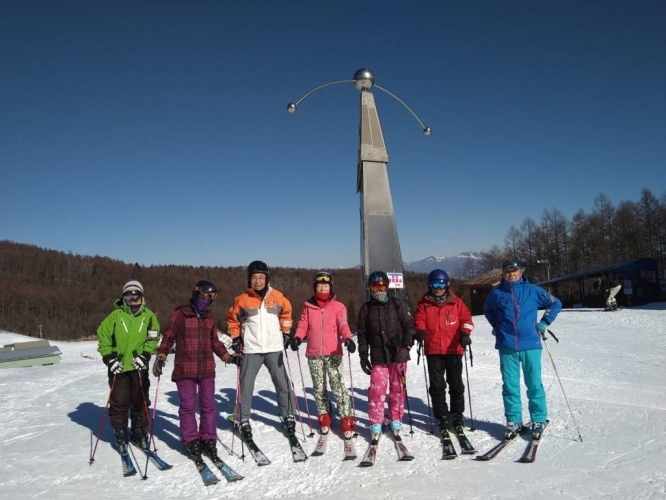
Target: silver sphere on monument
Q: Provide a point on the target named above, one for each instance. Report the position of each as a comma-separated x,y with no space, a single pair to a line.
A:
364,79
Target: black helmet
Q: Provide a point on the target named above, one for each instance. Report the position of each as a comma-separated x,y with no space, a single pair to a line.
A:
258,266
206,288
378,277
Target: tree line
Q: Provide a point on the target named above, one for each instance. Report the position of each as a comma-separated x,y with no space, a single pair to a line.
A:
608,235
69,295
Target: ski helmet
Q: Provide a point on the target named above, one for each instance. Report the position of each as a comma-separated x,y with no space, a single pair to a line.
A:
206,289
378,277
437,278
257,267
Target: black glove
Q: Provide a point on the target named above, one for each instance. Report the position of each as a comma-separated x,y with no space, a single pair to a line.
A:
465,340
419,337
401,355
295,342
286,340
159,363
366,366
140,361
114,364
236,359
351,347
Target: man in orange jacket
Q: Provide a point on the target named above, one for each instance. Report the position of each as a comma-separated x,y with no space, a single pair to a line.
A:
261,317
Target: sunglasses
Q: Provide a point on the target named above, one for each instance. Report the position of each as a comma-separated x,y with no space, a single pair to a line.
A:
131,295
438,285
323,278
378,287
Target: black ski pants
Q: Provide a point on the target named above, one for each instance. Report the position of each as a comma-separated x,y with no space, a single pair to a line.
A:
446,369
127,396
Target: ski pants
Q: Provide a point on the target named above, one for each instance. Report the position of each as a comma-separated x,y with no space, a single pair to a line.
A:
274,362
610,296
127,396
321,369
510,365
189,390
381,376
443,369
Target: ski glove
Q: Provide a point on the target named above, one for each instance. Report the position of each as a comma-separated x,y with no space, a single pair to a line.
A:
295,342
286,340
542,327
465,340
236,359
140,361
114,364
366,366
159,363
351,347
419,337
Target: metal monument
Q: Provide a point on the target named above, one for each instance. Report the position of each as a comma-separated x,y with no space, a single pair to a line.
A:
380,246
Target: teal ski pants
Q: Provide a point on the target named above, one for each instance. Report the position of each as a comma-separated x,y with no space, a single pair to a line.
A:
511,363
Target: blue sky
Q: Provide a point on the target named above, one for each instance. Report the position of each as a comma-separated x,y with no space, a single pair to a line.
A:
156,131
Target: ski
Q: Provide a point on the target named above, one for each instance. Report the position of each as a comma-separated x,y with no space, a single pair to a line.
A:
128,466
495,450
529,455
350,449
403,452
207,475
297,452
370,454
466,447
153,457
448,451
320,447
256,453
229,474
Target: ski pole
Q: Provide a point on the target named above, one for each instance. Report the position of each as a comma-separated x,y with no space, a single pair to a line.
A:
236,419
351,385
469,394
139,375
305,395
101,424
403,375
292,397
425,377
560,382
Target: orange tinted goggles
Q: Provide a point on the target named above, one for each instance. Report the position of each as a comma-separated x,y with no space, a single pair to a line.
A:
379,287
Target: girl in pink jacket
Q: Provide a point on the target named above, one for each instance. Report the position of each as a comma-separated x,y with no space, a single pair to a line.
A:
324,323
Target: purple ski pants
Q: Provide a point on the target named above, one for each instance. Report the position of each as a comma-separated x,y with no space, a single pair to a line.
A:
188,390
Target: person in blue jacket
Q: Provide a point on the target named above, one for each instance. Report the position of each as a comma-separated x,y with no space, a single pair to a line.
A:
512,309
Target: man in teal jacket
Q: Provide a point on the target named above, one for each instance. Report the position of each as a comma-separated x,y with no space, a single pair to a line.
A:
511,309
127,338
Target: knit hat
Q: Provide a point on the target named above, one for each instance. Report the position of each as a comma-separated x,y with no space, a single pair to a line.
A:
132,286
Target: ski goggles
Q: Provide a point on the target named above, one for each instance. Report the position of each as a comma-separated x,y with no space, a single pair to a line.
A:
438,284
380,286
207,292
133,295
323,278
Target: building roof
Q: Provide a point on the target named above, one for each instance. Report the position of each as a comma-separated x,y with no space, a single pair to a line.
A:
491,279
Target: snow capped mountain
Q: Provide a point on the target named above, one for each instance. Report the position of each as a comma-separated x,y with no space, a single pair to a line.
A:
452,265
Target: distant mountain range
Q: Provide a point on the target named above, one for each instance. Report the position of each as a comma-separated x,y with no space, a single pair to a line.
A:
452,265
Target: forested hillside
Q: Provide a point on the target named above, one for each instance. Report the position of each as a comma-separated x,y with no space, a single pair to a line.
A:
70,294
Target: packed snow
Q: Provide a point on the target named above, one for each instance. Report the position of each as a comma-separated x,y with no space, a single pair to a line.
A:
611,366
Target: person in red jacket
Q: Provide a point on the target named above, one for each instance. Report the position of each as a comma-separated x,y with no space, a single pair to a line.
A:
443,326
193,329
324,323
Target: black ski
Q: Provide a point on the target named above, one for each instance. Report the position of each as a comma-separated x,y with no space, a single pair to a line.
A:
448,451
529,455
256,453
495,450
466,447
297,452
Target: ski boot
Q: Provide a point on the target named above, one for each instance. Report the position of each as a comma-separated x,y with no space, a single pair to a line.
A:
290,425
537,430
324,422
194,449
121,437
512,428
140,438
210,449
246,430
458,422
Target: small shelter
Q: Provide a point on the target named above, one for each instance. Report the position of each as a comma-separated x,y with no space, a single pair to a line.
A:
30,353
477,289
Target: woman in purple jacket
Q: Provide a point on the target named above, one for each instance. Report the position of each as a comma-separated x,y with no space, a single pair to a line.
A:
324,323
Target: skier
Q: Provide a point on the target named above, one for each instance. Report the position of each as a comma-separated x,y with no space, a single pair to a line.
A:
385,332
324,323
511,309
192,328
261,317
127,339
443,327
611,288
